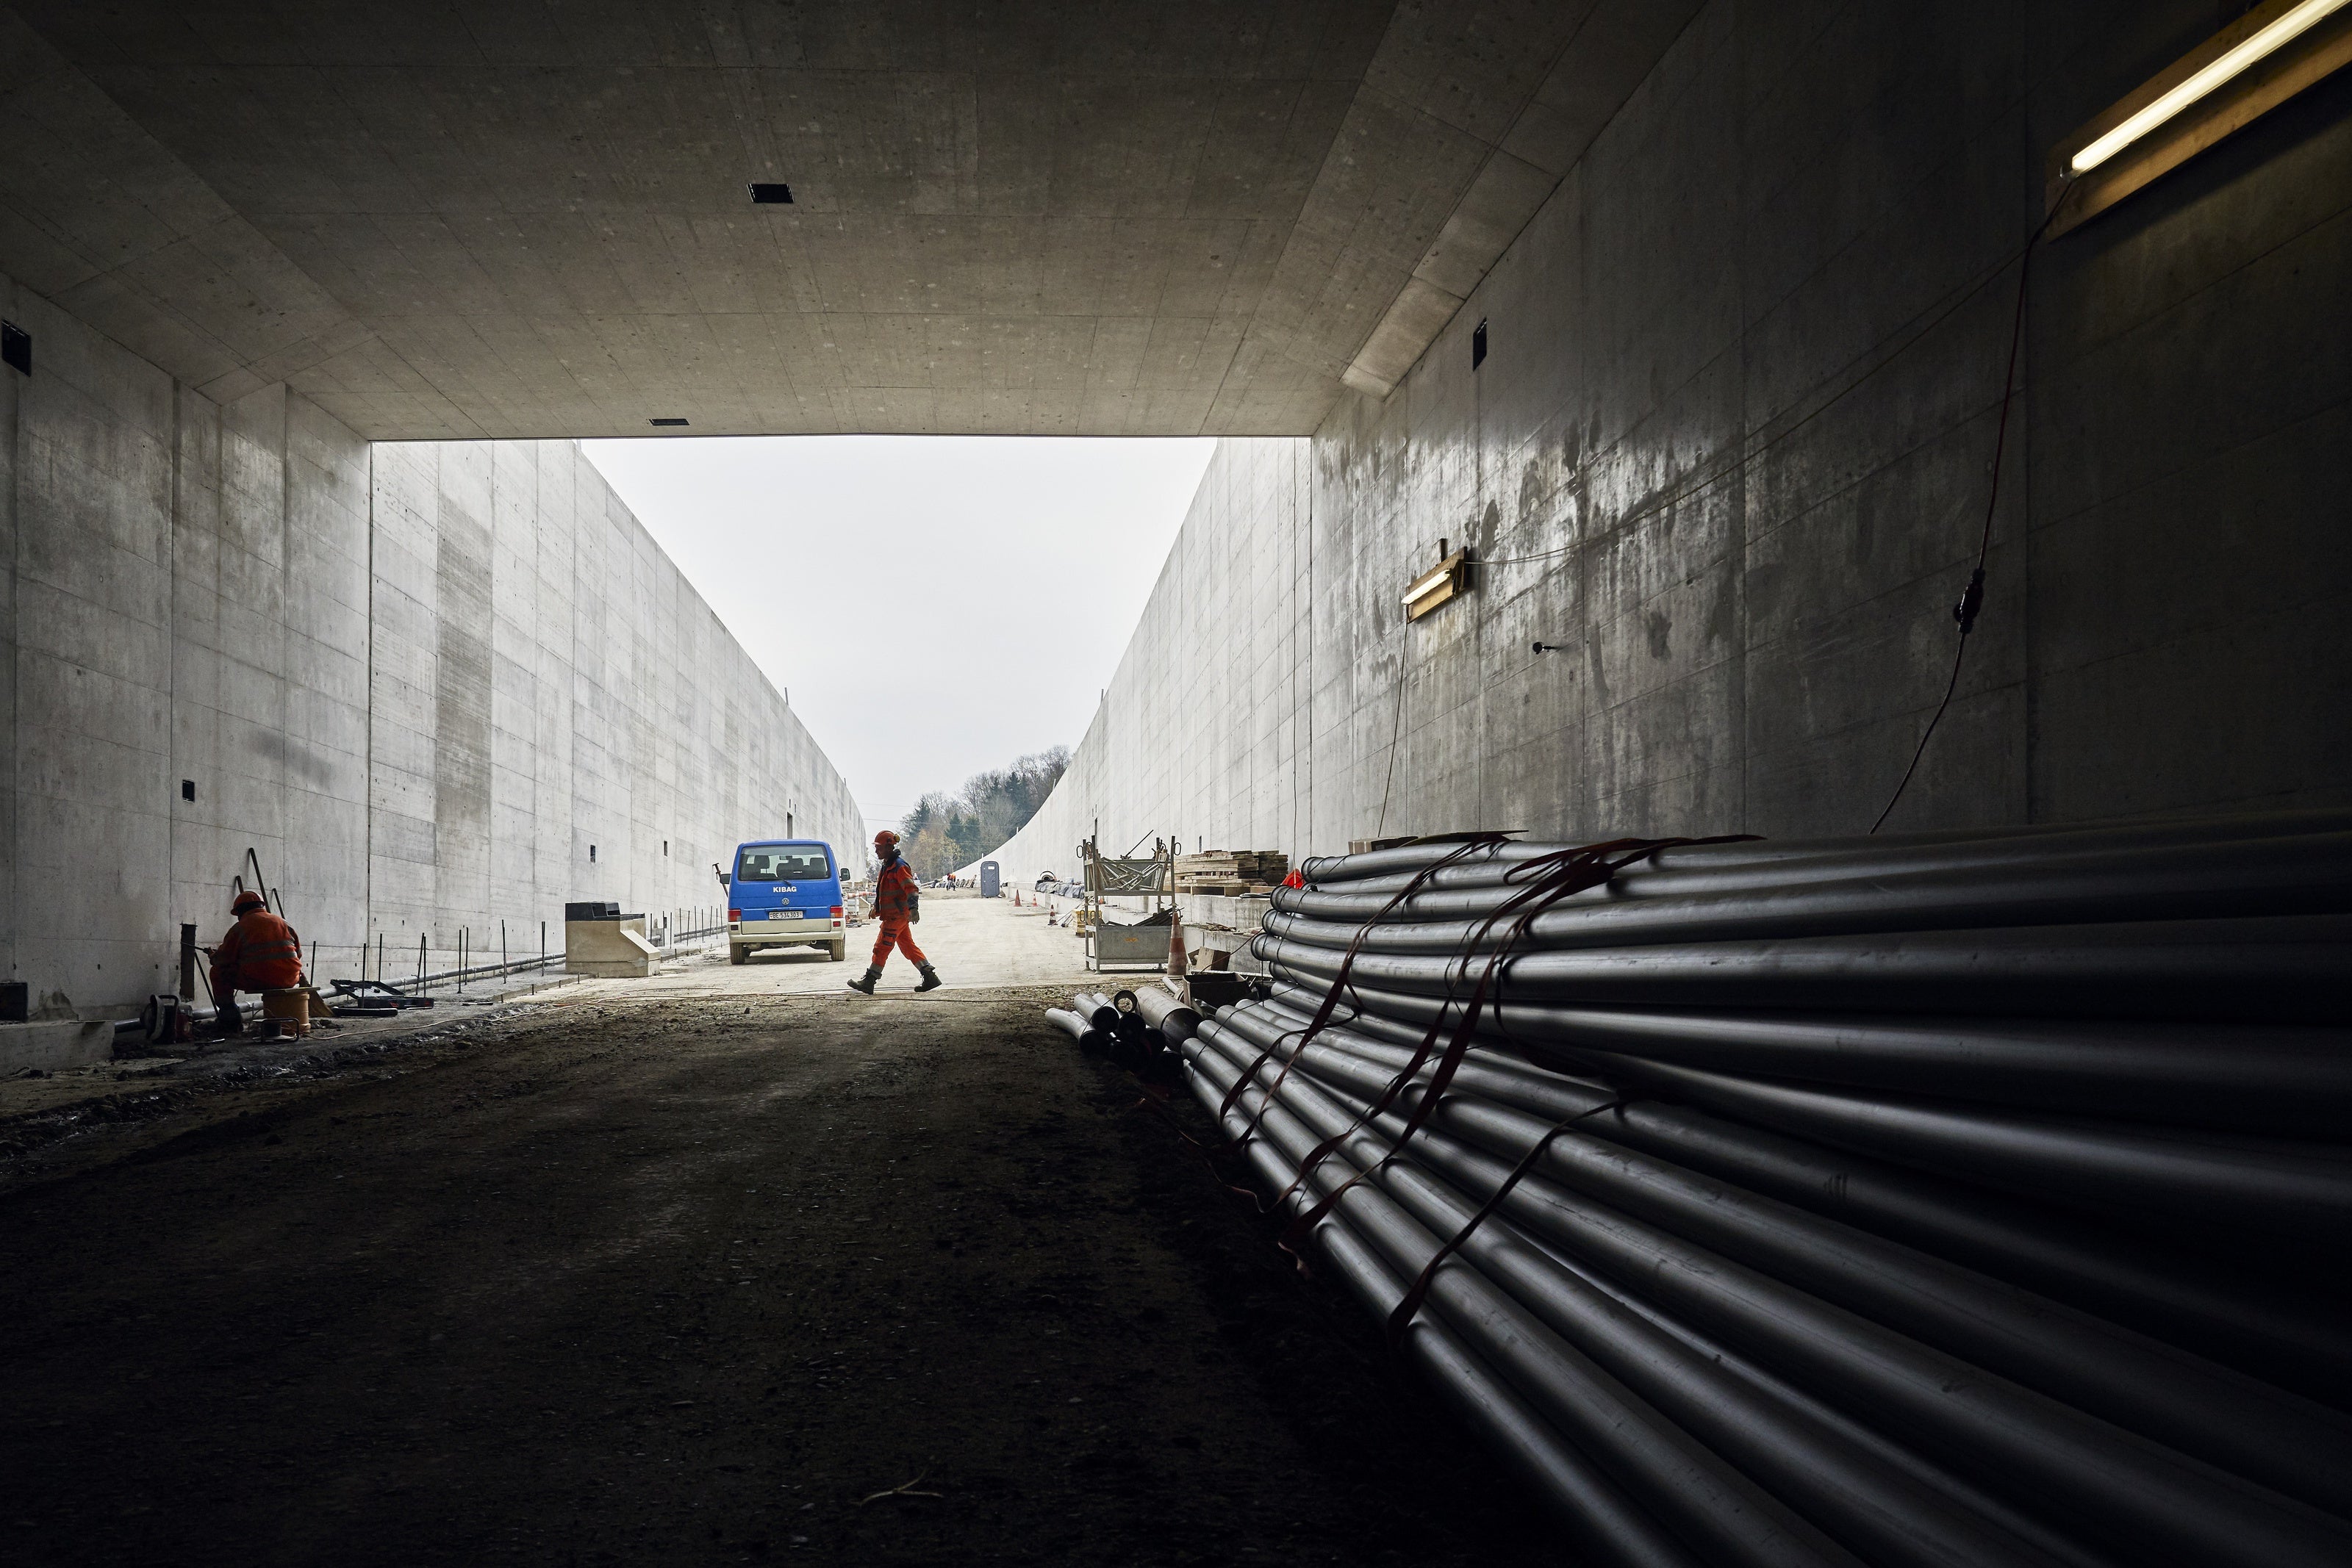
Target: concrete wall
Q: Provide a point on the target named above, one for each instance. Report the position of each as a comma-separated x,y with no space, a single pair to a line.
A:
419,680
1730,447
547,684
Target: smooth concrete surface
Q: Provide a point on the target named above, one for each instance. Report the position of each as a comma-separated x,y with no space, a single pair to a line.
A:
608,949
557,714
1040,217
56,1046
420,682
1729,449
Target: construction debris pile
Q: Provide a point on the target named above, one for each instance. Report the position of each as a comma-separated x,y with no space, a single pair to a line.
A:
1951,1199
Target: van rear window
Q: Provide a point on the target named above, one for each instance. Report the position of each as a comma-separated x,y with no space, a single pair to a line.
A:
783,863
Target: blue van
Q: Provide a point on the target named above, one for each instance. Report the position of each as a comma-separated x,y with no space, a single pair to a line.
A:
784,892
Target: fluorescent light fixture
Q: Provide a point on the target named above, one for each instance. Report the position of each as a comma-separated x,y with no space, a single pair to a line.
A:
1422,586
1445,581
2224,84
2265,41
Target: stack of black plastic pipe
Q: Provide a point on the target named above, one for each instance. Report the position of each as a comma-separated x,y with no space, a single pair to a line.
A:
1139,1031
1954,1199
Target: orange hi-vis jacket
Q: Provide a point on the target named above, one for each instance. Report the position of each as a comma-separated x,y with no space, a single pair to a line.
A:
260,953
896,894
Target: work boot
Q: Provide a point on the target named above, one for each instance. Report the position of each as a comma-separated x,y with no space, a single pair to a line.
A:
930,978
866,982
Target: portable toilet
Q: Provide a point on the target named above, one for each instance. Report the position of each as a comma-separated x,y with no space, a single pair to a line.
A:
988,879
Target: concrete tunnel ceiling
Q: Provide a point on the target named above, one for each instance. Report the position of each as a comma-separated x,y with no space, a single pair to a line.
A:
532,220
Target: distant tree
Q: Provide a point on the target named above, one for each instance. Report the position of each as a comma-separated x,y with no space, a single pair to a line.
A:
944,831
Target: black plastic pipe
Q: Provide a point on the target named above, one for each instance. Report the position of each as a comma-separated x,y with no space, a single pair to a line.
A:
1722,1514
2252,1428
2280,1078
2251,1325
2291,1188
1098,1010
2309,875
1699,870
1868,1493
1402,861
2293,968
1176,1020
1091,1040
2169,1509
1602,1524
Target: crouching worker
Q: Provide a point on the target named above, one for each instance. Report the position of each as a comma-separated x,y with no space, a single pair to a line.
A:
898,905
260,953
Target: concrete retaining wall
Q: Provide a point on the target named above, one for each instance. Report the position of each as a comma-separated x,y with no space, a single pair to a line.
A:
420,680
1729,447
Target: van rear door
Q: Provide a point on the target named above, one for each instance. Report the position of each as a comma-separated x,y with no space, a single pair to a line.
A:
785,882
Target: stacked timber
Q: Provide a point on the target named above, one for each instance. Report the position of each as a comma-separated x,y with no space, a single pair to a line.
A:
1231,874
1956,1199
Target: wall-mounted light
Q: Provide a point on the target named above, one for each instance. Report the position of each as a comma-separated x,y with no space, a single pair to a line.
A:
2241,72
672,423
1448,580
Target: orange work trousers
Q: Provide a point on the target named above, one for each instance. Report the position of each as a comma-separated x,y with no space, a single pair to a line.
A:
895,933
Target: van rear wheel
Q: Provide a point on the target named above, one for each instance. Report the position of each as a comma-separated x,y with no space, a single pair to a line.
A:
736,955
837,951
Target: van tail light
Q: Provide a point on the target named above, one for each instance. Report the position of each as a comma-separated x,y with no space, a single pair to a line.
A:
734,915
836,910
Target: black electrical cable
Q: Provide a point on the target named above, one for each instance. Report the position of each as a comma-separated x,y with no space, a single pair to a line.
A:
1971,600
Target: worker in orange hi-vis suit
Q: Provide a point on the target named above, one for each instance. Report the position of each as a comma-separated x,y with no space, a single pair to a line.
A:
260,953
898,905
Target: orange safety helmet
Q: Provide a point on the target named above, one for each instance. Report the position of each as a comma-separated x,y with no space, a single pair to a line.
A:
885,840
248,900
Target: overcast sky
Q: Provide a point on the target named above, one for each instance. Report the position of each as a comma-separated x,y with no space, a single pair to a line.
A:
934,605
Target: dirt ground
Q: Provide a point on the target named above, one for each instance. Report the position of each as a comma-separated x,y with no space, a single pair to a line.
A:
703,1269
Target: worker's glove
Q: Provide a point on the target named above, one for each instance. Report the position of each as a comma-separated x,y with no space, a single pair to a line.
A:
915,912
